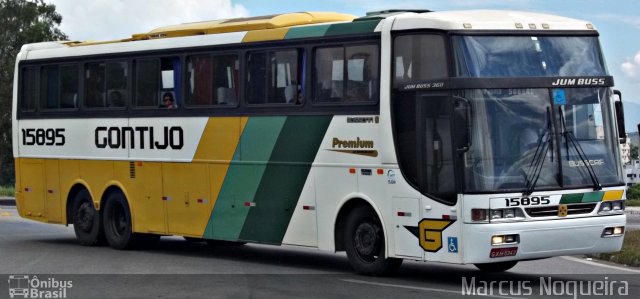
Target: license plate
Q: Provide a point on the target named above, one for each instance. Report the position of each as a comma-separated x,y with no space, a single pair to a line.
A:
502,252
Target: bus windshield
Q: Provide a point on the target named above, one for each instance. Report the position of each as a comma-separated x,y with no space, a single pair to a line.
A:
527,56
510,127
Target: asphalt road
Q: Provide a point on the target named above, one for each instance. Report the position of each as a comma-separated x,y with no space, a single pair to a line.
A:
176,268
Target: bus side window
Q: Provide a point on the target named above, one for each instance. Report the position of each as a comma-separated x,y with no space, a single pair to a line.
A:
59,87
199,76
29,89
147,83
225,79
69,86
360,64
171,74
274,77
49,95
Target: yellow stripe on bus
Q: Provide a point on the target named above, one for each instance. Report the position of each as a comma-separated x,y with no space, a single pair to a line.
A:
612,195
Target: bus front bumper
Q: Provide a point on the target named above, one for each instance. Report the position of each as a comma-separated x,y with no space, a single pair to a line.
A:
541,239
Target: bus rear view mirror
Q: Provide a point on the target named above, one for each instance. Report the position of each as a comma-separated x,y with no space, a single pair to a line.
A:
622,134
462,124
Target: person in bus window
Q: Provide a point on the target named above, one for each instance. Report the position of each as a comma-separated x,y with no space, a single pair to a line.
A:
168,101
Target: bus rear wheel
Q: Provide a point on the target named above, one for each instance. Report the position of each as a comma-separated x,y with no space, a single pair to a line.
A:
365,245
87,222
496,267
117,225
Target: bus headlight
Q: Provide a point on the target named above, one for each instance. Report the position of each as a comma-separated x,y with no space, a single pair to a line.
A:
611,207
509,213
617,206
484,215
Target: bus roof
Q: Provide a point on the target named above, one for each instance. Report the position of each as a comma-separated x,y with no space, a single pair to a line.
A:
487,20
304,25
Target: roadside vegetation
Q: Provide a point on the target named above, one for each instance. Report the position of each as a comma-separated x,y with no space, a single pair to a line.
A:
633,196
7,191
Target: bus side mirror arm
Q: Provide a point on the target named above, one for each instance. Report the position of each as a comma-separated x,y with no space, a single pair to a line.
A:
622,134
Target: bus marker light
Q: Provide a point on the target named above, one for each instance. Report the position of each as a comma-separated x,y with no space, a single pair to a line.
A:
380,171
446,217
249,204
49,191
27,189
139,164
200,200
404,214
308,208
352,170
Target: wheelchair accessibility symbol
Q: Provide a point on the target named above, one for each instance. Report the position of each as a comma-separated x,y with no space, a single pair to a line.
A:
452,244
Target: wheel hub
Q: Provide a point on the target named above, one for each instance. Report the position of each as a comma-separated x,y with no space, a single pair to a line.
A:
367,241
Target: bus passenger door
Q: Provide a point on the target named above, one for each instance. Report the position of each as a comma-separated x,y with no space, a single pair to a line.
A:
53,207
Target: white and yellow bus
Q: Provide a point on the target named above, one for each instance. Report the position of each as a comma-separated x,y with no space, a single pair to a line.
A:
481,137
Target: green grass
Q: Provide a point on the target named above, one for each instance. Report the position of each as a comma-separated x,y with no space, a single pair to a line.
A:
632,203
7,191
630,253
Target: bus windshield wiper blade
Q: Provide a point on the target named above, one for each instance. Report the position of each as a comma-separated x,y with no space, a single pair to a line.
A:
535,168
570,138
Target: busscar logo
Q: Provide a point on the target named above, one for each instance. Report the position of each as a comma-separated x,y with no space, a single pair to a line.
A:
354,146
24,286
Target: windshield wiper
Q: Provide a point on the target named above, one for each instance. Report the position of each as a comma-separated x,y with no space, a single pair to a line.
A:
535,167
570,138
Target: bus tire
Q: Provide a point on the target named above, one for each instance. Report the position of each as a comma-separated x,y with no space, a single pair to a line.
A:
87,222
365,245
117,224
496,267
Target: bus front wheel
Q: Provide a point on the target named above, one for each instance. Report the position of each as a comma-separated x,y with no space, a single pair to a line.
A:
87,223
117,225
365,245
496,267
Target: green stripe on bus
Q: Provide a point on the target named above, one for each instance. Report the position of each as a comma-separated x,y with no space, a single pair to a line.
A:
284,178
571,198
243,177
593,196
308,31
352,28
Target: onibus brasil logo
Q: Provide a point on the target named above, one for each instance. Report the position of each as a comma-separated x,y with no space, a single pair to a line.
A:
25,286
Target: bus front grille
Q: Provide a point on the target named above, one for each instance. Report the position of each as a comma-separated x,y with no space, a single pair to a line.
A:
573,209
